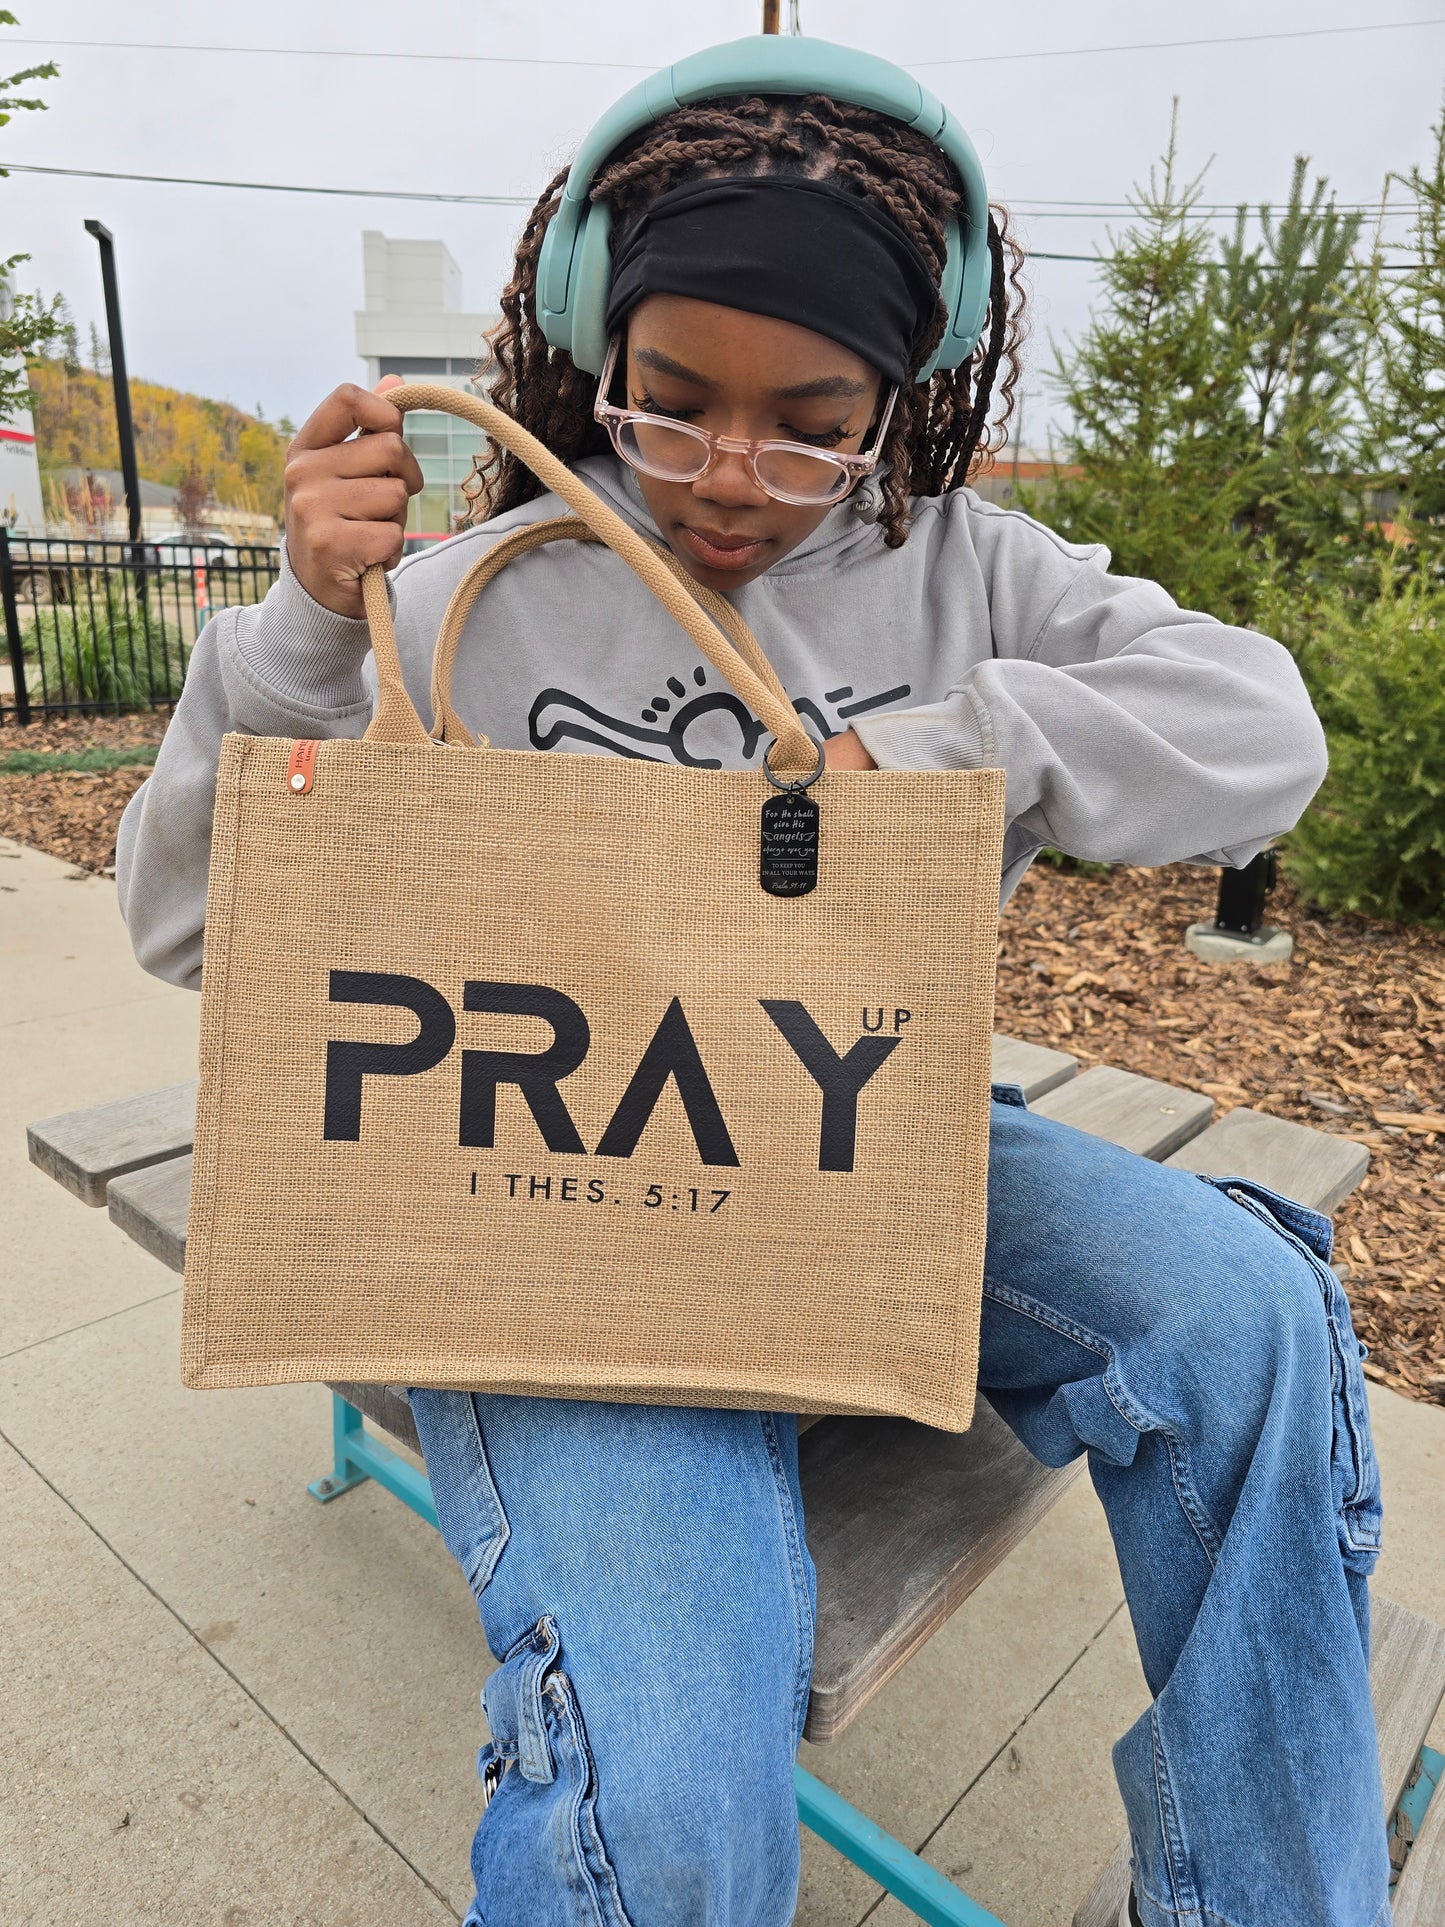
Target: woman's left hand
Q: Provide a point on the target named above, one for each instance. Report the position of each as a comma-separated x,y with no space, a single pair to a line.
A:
847,752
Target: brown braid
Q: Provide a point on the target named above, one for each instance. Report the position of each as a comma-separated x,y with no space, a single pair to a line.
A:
941,431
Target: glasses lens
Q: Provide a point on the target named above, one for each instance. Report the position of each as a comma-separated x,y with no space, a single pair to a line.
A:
667,450
797,475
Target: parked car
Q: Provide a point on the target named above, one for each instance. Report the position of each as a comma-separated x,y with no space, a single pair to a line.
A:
187,550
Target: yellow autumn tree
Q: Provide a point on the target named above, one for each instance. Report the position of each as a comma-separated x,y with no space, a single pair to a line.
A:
236,456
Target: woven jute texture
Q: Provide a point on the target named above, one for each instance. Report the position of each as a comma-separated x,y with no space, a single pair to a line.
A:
652,1224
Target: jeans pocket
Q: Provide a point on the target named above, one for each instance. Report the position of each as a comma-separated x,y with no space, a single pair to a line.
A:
540,1764
469,1507
1354,1467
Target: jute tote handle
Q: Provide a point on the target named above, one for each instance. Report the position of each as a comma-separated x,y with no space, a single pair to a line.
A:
448,727
396,719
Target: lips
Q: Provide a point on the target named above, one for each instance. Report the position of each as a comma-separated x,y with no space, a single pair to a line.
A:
721,551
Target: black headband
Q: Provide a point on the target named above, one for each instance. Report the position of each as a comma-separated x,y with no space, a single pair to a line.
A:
801,250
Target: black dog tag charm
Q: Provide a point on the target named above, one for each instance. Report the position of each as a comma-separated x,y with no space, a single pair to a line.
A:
788,856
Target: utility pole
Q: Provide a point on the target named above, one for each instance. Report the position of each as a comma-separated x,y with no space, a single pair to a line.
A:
125,427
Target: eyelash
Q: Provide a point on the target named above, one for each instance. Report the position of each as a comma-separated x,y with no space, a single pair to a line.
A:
828,439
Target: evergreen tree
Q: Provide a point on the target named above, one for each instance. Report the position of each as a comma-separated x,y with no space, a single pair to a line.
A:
1405,397
67,334
1155,392
1290,302
1375,839
1290,298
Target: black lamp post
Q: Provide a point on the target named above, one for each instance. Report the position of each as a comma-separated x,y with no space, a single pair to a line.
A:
125,427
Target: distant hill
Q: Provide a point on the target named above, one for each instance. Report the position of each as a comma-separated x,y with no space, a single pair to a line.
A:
238,457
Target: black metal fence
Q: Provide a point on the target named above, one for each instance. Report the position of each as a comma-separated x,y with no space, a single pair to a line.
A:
100,627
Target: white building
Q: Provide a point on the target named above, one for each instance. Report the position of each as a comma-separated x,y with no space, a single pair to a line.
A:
21,506
414,325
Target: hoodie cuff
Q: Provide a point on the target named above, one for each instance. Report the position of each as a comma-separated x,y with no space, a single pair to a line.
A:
955,734
305,652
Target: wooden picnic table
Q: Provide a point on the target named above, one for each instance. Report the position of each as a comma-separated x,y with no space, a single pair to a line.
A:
903,1522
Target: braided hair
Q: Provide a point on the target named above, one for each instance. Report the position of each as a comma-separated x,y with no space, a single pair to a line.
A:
941,430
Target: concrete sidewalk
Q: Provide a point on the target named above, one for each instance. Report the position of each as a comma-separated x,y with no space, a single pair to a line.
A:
227,1704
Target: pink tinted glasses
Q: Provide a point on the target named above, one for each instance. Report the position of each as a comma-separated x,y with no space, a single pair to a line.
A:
677,452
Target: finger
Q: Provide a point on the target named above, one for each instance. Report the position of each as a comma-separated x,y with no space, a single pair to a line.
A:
344,411
384,454
368,543
389,381
374,498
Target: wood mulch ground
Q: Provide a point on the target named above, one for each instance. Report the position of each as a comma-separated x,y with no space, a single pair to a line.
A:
74,813
1348,1037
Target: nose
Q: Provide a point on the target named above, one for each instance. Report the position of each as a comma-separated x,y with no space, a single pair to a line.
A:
729,484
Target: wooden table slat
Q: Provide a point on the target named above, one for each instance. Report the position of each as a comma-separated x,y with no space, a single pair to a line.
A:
1316,1168
903,1523
1106,1896
1420,1896
84,1150
1139,1113
1033,1067
151,1205
1407,1678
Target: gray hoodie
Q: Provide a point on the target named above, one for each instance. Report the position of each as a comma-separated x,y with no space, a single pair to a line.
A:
1131,730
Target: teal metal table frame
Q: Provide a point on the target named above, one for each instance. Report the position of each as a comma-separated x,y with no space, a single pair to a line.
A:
360,1455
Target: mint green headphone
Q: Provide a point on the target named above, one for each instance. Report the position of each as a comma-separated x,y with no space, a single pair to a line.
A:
574,271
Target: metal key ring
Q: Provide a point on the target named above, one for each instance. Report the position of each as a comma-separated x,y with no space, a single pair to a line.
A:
797,786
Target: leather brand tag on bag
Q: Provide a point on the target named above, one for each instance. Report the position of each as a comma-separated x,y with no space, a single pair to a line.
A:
301,770
788,853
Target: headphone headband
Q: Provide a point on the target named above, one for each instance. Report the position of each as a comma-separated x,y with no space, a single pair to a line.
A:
574,271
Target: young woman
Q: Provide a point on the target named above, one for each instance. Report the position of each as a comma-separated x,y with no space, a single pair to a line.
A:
642,1572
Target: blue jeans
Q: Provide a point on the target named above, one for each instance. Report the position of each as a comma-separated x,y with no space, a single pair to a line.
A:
643,1577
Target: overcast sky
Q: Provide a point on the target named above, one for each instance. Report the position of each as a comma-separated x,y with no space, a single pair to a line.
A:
250,297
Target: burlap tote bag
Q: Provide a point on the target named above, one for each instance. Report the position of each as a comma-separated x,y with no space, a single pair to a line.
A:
514,1077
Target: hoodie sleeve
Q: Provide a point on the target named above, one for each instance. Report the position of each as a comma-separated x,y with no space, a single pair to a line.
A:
1131,730
284,667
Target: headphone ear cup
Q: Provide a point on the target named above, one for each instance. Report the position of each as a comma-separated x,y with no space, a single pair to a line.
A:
971,308
554,274
957,343
591,284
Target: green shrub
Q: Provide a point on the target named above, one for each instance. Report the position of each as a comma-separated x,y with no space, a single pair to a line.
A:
1374,841
1074,866
105,650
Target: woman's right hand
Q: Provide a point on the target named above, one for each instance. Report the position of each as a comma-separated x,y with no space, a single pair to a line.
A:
347,494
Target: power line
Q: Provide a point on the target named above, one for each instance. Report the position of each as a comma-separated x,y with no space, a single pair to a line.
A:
637,67
1042,203
1024,210
1153,46
465,200
330,53
1267,267
277,187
